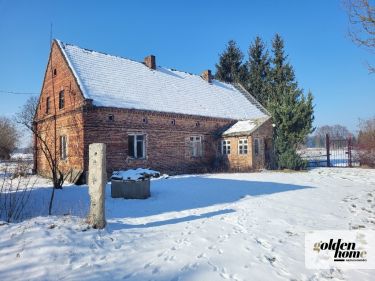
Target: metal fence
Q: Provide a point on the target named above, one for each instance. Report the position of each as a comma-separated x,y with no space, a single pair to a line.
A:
336,153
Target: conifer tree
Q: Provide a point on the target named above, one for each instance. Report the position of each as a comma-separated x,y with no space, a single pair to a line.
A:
282,73
258,78
292,112
230,68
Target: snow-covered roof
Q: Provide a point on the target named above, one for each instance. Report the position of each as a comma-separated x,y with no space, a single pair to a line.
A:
244,127
113,81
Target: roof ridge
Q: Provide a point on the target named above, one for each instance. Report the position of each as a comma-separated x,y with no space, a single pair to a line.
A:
94,51
63,44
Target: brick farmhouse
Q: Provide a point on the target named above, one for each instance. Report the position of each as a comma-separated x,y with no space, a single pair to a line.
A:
148,116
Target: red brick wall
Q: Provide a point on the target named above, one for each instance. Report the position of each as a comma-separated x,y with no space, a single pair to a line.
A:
167,138
263,133
249,161
69,119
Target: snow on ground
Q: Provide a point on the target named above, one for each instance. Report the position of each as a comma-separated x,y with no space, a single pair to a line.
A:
22,156
196,227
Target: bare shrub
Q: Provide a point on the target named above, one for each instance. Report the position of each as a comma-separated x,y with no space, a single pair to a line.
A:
21,168
366,142
15,192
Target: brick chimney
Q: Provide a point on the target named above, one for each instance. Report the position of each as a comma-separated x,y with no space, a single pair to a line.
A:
150,61
206,75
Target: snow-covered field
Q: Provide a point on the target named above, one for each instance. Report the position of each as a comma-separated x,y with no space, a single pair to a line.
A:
196,227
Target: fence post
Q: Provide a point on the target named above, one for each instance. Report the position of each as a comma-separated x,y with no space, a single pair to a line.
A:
350,151
97,182
328,152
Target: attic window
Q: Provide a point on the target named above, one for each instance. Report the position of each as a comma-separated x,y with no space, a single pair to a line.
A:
197,124
111,117
173,122
61,100
145,121
47,105
54,72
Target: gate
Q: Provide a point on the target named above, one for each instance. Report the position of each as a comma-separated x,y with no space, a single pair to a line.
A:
336,153
339,152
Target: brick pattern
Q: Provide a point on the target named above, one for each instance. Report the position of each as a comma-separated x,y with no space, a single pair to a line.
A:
250,161
167,138
69,120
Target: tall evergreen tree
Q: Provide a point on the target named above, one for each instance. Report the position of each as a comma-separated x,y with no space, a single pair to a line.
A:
292,112
230,68
282,73
258,78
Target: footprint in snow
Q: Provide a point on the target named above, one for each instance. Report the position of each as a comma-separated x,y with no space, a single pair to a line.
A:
202,255
190,266
156,270
170,258
263,243
127,276
291,233
357,226
270,259
214,267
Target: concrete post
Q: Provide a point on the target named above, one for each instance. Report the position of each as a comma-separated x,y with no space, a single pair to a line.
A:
97,182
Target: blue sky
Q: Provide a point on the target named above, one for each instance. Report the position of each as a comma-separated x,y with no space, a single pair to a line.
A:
189,35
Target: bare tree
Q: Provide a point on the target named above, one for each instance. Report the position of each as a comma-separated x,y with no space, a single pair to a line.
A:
8,137
335,132
366,142
362,24
26,118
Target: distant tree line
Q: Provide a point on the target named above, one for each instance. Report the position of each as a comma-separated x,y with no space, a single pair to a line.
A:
318,139
8,137
271,80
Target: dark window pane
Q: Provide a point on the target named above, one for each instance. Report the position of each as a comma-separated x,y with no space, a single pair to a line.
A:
63,147
139,138
256,146
131,146
139,148
47,105
61,100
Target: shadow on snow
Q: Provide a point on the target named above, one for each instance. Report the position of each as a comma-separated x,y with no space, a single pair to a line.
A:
167,195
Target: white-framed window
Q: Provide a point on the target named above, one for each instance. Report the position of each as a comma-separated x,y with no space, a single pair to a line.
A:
242,146
137,146
196,146
256,146
225,147
63,147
